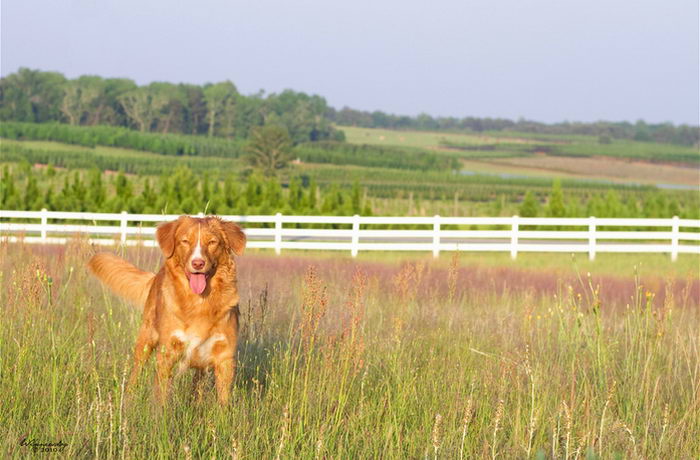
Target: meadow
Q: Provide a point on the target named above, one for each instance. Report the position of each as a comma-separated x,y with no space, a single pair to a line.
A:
380,357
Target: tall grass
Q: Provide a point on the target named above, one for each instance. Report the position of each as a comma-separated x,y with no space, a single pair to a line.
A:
345,359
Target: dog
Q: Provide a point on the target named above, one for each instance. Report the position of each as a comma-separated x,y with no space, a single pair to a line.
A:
190,307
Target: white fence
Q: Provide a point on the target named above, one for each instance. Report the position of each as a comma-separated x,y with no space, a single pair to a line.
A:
564,235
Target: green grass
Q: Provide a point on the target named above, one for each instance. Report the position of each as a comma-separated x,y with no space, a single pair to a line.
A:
419,139
359,360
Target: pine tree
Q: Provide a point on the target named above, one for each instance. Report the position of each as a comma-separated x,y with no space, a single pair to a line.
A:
313,191
7,187
230,192
613,207
206,189
49,199
530,207
295,194
555,207
123,186
31,194
97,193
356,198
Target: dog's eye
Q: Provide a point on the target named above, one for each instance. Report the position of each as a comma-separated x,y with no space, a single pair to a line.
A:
211,242
185,241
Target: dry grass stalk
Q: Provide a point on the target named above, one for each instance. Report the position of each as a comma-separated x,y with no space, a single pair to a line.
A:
496,427
188,451
235,449
452,277
437,433
567,427
320,441
285,432
314,306
466,420
352,333
611,393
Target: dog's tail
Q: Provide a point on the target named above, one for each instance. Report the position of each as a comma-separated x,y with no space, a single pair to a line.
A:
122,277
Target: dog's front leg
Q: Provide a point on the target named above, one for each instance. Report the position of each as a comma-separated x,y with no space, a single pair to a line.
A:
224,371
166,358
224,358
142,351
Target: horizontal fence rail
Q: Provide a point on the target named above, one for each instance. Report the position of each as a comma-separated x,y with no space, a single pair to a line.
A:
357,233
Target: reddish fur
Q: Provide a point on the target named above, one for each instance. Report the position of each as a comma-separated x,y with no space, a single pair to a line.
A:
122,277
172,308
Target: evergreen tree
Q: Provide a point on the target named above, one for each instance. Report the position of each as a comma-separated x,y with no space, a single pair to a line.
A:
97,193
7,187
230,192
206,189
313,191
123,186
49,199
295,194
555,207
32,198
530,206
613,206
356,198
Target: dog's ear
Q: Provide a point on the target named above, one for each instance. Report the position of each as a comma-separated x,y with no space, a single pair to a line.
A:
165,235
234,236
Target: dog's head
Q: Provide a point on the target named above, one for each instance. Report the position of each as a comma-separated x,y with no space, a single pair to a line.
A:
199,245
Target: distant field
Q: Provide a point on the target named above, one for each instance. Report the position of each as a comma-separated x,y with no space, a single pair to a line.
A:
529,155
420,139
518,144
612,169
108,158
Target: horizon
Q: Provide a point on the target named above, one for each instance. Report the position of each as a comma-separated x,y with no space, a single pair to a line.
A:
539,62
267,93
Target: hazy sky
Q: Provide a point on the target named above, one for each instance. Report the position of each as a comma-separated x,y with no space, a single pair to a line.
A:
543,60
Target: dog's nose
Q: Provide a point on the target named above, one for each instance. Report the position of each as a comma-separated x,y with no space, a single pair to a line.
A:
198,264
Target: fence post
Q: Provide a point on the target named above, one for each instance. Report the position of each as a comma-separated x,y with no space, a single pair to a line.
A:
278,233
44,224
436,235
674,238
591,238
355,235
514,239
123,226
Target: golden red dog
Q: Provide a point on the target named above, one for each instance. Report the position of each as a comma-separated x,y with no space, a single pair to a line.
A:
190,310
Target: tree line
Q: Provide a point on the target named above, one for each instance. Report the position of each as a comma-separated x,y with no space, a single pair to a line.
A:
213,109
605,130
219,109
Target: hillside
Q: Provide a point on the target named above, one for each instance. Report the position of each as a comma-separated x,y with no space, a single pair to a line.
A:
537,155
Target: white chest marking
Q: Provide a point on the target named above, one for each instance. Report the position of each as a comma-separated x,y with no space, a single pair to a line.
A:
204,350
192,341
197,350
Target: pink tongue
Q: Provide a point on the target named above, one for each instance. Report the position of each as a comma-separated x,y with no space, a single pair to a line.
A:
198,282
